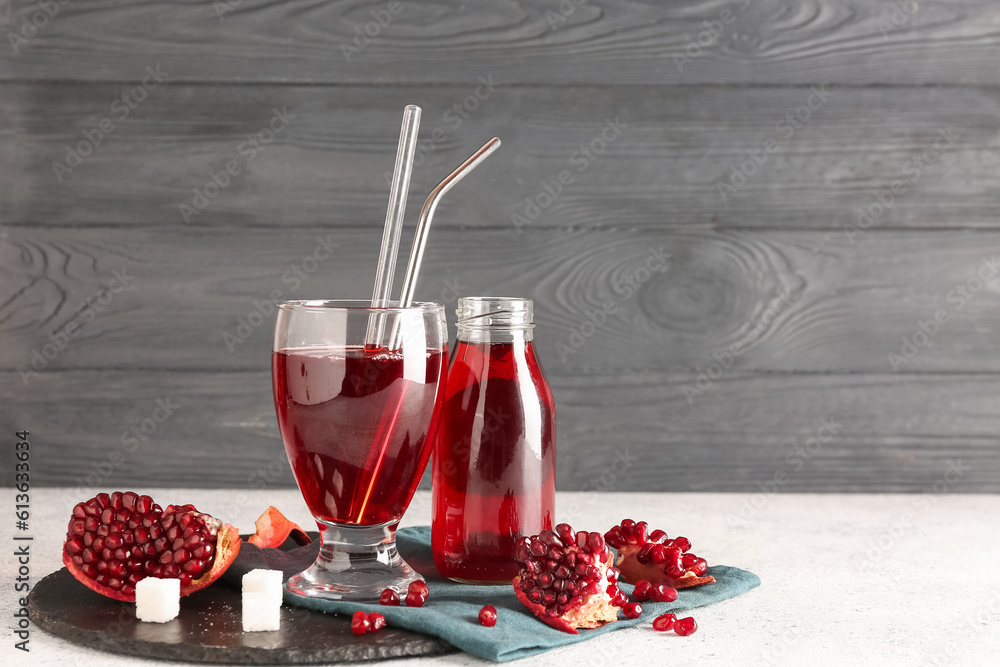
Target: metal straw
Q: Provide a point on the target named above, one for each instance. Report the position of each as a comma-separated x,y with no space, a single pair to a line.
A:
424,227
394,220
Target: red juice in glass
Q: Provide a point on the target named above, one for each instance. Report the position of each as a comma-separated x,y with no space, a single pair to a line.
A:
355,427
494,459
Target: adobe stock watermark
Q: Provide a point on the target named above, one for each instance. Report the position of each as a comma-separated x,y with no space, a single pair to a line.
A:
748,334
900,16
870,215
364,34
138,434
452,119
565,9
709,36
86,312
121,108
786,127
957,298
879,547
581,159
966,627
795,460
33,22
626,287
293,278
248,150
606,480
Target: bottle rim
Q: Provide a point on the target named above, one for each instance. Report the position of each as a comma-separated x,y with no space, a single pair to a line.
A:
495,312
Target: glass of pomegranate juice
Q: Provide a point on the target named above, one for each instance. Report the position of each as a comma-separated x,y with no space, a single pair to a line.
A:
358,392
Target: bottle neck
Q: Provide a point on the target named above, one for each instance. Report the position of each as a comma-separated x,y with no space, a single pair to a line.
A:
494,335
485,319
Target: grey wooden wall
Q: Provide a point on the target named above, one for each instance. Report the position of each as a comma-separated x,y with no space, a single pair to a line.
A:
112,299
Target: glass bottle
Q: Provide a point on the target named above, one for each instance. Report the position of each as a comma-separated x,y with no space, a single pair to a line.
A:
494,465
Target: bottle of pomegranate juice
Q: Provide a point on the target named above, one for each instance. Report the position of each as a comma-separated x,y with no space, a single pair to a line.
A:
494,468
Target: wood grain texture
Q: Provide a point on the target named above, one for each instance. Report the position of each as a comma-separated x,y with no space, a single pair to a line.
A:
889,433
792,301
522,41
327,168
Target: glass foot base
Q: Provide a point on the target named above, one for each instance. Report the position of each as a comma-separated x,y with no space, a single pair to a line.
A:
354,563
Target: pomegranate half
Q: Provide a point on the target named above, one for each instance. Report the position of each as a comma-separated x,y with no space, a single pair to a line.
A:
655,558
566,579
114,541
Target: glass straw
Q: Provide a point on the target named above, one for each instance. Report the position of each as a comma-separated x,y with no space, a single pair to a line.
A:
424,227
410,279
393,220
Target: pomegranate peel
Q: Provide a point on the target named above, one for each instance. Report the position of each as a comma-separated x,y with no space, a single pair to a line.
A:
566,579
651,556
273,528
115,540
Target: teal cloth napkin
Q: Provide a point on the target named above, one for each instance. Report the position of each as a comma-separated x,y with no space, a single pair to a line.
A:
452,610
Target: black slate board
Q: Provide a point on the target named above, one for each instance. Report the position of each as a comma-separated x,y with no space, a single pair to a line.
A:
209,629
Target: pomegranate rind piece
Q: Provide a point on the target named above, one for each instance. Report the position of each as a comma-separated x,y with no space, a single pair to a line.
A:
273,528
595,611
227,547
633,571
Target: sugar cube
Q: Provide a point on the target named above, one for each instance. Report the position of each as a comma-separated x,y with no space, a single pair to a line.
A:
264,581
260,613
157,600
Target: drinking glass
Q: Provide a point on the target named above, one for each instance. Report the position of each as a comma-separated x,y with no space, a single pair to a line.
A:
358,418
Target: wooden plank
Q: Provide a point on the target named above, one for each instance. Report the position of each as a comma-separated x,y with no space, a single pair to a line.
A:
790,301
532,41
676,148
884,433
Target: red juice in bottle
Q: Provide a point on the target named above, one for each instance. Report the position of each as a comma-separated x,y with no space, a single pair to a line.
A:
495,457
354,423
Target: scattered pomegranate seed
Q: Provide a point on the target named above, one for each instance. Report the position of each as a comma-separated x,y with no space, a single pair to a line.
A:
419,587
360,623
643,590
665,622
389,598
415,599
664,593
376,620
488,615
685,626
632,610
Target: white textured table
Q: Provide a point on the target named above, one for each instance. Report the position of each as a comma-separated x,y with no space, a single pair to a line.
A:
847,579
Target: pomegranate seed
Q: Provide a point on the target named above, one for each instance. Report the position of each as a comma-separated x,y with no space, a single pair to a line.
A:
420,587
632,610
664,593
488,614
658,554
376,620
658,537
687,560
566,534
415,599
665,622
389,598
683,543
700,566
619,600
685,626
628,526
643,590
641,532
360,623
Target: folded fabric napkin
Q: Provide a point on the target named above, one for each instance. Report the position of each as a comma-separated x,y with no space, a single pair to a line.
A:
452,610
